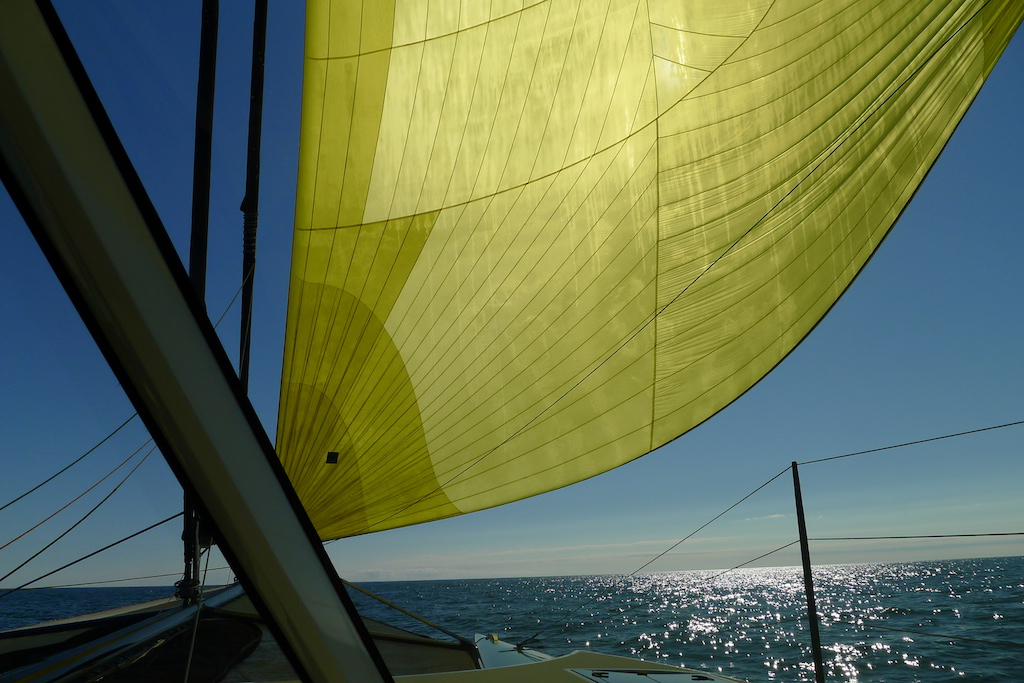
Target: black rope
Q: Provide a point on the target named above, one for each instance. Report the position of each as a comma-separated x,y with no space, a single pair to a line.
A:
231,304
914,443
78,460
95,552
251,200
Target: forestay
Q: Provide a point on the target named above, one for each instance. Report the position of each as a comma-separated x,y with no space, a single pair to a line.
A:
535,240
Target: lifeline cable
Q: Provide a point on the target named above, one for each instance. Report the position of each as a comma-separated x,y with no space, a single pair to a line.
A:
75,462
406,612
705,525
740,566
837,457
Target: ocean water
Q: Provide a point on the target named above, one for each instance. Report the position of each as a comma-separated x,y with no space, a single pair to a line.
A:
750,623
36,605
957,620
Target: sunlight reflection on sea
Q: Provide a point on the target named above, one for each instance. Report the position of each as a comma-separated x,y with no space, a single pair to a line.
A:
751,623
879,621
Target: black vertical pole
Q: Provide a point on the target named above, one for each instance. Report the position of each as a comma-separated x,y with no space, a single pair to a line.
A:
250,203
203,146
805,556
188,587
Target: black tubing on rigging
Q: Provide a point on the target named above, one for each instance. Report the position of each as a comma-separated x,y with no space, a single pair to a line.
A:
251,201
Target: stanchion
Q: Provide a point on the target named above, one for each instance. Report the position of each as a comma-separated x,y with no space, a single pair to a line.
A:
805,556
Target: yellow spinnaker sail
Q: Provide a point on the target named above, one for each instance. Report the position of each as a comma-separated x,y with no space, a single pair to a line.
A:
537,239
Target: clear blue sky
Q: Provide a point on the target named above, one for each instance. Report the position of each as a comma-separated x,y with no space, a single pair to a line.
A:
928,341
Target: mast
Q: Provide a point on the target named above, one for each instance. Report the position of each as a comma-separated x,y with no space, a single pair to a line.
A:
74,184
188,588
203,146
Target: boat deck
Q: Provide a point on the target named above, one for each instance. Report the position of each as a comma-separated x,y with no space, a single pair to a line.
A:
404,652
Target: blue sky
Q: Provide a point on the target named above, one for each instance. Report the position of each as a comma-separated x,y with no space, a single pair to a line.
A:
926,342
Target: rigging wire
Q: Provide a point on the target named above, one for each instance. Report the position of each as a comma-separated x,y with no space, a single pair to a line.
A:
82,519
195,625
705,525
890,538
620,581
751,561
231,304
385,601
715,577
109,436
914,443
737,503
92,554
130,578
77,498
67,467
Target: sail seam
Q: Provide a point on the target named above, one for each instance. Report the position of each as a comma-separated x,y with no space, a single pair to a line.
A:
501,335
755,140
697,33
657,230
836,145
498,107
496,193
440,118
583,98
470,427
518,12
